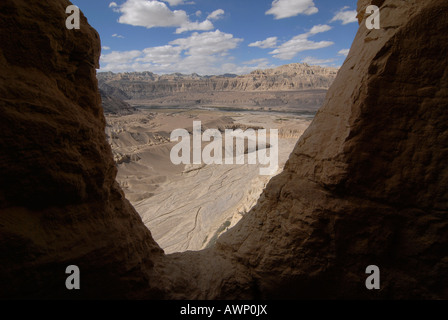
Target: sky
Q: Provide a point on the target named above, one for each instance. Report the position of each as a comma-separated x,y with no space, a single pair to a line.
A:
213,37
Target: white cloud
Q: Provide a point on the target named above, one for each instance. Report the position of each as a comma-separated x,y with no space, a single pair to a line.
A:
344,52
256,61
319,29
291,48
315,61
116,57
198,13
178,2
299,43
207,43
117,35
215,15
114,6
235,69
345,16
189,26
105,48
163,55
174,2
265,44
289,8
203,53
150,14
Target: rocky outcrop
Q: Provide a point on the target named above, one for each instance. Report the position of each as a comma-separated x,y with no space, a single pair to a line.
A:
367,183
300,102
295,85
116,106
59,202
292,77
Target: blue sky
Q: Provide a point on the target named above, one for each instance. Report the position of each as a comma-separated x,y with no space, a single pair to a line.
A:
216,37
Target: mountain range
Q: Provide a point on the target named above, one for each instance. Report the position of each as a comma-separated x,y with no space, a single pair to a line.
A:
292,85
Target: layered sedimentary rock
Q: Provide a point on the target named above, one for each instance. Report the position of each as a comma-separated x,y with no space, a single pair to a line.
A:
146,85
113,105
367,183
295,85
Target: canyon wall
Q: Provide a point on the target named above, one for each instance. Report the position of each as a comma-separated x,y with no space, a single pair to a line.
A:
297,87
147,85
59,202
367,183
115,106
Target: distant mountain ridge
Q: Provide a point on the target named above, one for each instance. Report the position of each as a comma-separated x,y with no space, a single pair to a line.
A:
179,88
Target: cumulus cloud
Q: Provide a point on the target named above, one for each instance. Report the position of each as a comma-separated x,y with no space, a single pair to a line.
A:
207,43
114,6
117,35
315,61
174,2
299,43
265,44
203,53
105,48
319,29
345,16
344,52
189,26
291,48
215,15
289,8
118,58
151,14
162,55
198,13
256,61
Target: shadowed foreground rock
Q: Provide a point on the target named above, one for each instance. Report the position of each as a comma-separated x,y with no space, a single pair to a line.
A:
366,185
59,201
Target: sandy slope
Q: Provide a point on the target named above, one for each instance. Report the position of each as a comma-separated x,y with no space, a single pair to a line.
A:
188,206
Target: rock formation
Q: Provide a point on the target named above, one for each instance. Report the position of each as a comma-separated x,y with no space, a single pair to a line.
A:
296,85
113,105
59,202
367,183
146,85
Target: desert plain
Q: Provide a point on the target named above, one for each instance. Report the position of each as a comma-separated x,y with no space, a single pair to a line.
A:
188,206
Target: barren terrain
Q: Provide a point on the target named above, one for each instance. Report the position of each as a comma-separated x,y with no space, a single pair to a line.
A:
188,206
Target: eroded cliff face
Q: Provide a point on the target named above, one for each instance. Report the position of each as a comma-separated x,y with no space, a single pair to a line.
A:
295,86
114,106
366,185
367,182
59,202
147,85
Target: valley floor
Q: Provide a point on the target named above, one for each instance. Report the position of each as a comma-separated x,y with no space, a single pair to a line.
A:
187,207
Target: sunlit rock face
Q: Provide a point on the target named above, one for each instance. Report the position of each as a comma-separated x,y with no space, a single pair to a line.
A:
367,182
